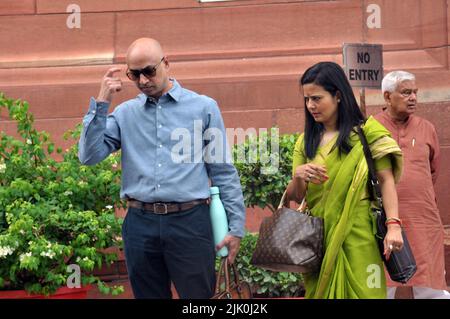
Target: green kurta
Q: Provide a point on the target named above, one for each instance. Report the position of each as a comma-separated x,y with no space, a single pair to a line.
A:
352,265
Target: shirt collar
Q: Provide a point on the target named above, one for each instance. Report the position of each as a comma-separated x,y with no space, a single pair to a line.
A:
174,93
404,124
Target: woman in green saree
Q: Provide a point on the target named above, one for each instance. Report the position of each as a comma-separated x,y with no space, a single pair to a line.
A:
330,168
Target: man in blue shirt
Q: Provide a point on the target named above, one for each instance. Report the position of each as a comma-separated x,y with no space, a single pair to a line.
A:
172,143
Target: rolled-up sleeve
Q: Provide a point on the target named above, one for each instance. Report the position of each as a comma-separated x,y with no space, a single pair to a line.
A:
100,135
222,172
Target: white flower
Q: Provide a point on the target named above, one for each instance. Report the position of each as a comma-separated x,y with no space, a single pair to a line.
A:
23,256
22,232
2,168
67,193
5,251
82,183
50,254
29,142
108,207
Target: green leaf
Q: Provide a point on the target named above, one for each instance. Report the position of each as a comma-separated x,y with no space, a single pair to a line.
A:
50,148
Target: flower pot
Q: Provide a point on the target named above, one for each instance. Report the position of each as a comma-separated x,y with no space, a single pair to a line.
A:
61,293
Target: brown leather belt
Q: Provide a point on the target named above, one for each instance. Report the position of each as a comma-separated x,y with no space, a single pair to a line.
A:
165,208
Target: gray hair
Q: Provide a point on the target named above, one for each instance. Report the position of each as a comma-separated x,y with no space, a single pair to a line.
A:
393,79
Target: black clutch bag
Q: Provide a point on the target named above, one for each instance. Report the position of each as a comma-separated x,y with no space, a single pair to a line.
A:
401,265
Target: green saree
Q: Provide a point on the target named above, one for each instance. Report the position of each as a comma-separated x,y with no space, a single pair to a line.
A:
352,266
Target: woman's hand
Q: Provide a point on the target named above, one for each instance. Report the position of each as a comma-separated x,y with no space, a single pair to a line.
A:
313,173
393,240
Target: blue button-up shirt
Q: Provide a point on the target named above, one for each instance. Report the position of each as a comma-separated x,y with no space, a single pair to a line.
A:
169,148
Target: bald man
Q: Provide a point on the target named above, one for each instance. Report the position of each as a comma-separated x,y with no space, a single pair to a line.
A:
172,143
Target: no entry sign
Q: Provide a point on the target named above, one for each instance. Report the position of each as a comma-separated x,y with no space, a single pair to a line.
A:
364,64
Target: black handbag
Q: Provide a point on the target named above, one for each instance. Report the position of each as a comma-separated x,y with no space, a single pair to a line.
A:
290,240
401,265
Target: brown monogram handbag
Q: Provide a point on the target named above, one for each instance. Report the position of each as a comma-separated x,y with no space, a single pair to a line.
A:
237,289
290,240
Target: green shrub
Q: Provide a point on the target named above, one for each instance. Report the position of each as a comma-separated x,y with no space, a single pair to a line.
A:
263,183
266,283
53,213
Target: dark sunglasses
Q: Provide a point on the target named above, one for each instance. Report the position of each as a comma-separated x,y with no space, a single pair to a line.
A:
149,72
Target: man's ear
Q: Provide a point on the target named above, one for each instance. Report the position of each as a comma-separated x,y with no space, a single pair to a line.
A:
166,61
387,97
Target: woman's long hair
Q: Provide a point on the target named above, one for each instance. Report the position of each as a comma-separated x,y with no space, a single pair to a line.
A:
332,78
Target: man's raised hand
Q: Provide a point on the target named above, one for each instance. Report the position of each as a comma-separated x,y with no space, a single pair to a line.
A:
110,85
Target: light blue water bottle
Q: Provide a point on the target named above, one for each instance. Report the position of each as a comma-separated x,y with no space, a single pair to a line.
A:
219,219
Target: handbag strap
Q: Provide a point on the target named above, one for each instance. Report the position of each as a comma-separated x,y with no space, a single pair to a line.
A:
223,273
374,185
301,208
236,274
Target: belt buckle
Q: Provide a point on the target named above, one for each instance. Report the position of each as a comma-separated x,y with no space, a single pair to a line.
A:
155,205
